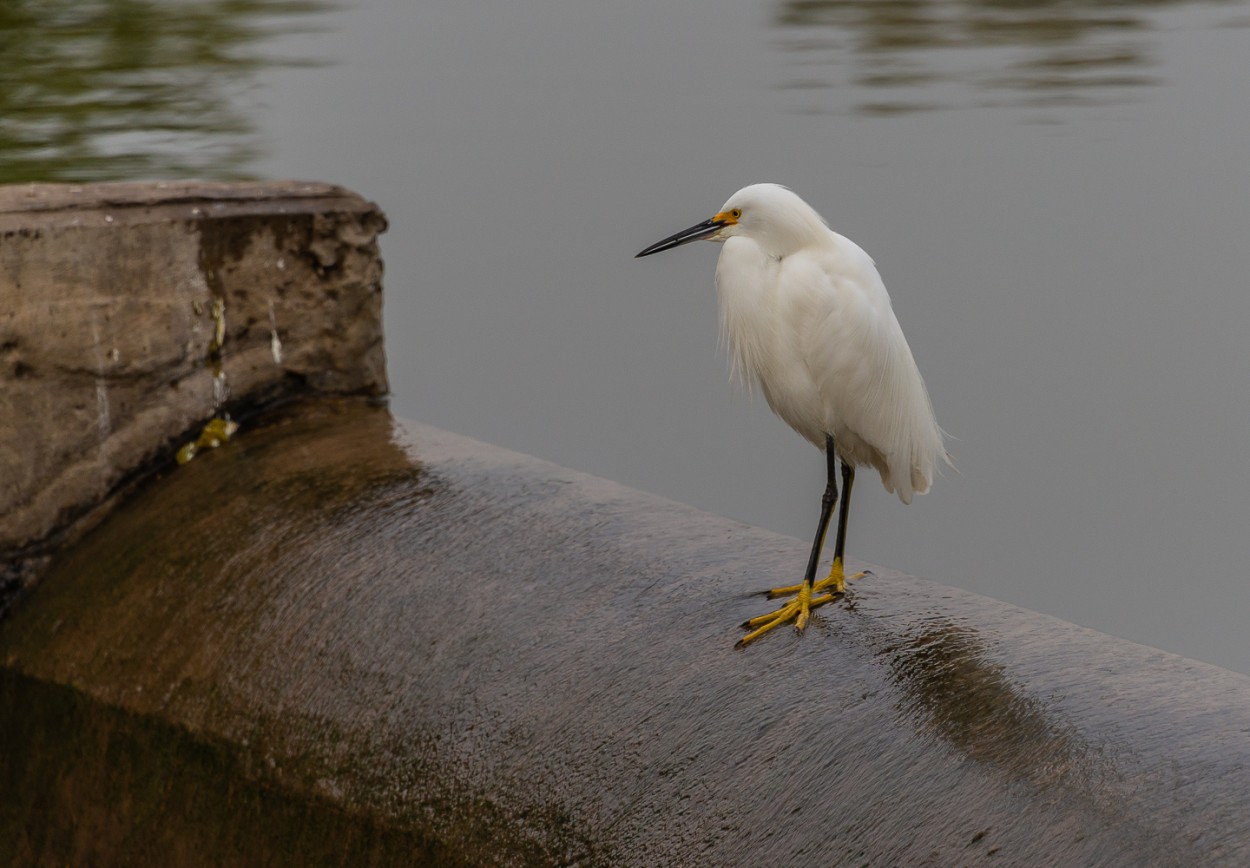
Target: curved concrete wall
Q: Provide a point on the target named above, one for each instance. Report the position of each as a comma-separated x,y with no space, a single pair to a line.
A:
342,639
345,640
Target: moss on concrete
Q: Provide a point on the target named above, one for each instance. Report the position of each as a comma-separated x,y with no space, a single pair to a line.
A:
87,783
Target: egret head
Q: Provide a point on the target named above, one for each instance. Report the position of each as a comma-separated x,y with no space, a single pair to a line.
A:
771,215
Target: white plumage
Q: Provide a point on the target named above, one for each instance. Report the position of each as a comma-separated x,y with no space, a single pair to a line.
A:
806,317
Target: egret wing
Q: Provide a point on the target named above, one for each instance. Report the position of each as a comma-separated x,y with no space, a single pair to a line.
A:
874,398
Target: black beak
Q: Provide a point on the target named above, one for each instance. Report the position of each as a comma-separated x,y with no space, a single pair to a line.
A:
701,230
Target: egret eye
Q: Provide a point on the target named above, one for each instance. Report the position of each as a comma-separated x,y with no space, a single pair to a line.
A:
737,213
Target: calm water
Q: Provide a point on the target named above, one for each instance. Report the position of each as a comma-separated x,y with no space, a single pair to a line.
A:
1057,195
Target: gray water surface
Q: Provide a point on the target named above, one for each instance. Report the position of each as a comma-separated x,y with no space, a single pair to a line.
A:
1056,194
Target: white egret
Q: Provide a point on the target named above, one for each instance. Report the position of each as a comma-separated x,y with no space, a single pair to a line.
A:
806,317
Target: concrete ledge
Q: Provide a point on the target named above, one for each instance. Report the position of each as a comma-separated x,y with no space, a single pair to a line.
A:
130,314
343,639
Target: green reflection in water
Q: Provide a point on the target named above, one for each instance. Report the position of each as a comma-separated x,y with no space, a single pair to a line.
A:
111,89
1023,52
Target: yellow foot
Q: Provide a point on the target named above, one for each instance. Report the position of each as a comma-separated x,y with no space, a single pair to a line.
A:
834,583
797,610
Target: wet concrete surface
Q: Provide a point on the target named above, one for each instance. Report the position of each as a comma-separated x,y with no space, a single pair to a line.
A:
346,639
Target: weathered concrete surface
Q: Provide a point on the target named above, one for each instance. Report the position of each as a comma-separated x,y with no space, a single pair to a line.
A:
346,640
108,295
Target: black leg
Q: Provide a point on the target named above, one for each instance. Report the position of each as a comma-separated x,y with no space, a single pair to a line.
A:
798,608
826,510
848,479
